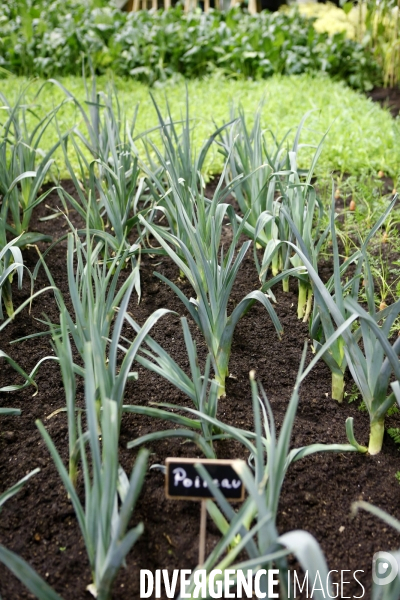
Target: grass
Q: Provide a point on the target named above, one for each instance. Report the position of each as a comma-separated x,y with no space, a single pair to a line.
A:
363,138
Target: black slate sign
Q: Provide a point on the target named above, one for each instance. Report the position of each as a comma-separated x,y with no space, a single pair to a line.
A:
185,483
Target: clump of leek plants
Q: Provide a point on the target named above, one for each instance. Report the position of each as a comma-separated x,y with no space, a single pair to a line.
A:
98,306
109,186
269,179
23,168
211,274
372,367
321,326
110,496
253,527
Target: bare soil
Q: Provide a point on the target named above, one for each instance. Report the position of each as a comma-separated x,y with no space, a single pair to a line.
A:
39,523
388,98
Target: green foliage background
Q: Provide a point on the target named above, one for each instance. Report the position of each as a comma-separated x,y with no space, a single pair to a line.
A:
363,138
50,38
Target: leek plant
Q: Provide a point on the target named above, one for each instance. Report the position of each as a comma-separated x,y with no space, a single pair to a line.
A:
28,576
269,460
23,169
93,289
269,178
212,274
372,367
10,412
28,378
321,324
109,187
4,496
95,301
216,429
176,182
97,121
11,261
110,497
176,163
198,388
301,202
251,160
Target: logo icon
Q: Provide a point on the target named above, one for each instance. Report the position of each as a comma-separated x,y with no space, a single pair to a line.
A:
384,568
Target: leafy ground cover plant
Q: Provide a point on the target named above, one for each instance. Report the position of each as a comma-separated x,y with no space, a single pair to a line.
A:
354,146
154,47
321,327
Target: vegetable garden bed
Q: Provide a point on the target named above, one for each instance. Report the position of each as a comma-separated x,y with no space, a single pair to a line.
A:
40,525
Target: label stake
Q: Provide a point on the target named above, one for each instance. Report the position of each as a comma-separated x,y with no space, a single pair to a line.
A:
203,524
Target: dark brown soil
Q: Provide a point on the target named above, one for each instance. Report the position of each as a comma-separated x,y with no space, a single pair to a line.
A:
39,523
388,98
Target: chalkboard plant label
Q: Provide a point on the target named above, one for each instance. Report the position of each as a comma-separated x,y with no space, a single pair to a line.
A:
183,482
